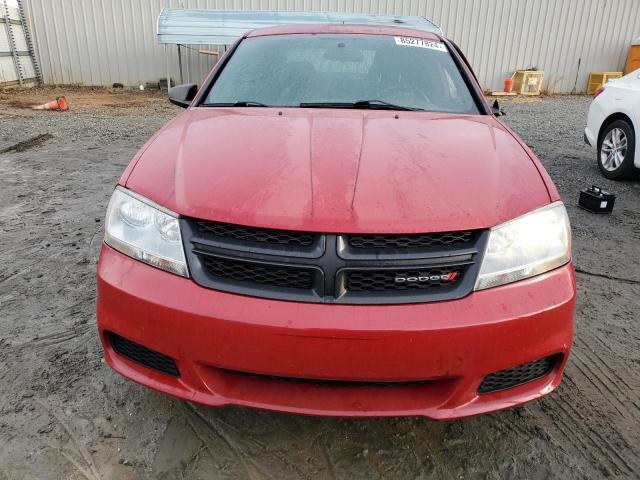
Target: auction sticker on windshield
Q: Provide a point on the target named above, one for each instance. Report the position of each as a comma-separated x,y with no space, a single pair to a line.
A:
420,43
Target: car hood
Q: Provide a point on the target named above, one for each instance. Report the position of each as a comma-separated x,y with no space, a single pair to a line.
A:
345,171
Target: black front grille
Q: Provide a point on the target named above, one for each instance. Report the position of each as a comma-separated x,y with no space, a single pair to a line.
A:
143,355
381,280
421,240
263,274
252,234
332,268
517,375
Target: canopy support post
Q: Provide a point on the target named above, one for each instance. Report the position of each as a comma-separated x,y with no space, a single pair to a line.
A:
180,64
166,66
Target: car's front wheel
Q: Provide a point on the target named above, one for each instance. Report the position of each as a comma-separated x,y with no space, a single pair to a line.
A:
616,150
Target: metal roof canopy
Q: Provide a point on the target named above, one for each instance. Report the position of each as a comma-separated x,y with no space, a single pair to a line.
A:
223,27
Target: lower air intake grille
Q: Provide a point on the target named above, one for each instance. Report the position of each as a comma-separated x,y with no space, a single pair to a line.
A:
422,240
263,274
253,234
517,375
143,355
381,280
328,383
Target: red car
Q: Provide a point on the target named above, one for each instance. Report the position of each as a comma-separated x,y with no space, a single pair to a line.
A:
338,225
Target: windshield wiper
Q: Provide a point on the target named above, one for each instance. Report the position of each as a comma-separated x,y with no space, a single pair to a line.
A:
248,103
364,104
382,105
243,103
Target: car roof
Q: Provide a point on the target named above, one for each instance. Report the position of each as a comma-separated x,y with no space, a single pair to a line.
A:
325,28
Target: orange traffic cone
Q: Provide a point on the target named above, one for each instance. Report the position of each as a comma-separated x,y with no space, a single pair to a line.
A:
60,104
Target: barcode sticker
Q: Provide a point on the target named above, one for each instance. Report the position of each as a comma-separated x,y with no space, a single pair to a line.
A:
603,204
420,43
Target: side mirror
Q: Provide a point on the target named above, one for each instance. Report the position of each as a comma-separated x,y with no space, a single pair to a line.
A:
182,95
497,111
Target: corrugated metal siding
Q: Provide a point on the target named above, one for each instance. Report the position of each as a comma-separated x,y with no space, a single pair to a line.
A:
4,40
98,42
7,70
9,73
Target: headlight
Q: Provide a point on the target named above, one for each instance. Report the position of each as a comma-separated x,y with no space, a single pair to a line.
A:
526,246
145,231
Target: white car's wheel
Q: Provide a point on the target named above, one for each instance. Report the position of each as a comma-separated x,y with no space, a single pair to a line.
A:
616,150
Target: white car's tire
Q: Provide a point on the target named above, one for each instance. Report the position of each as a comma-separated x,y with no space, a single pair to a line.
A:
616,150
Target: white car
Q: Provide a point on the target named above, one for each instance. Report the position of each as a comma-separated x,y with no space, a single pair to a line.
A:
614,118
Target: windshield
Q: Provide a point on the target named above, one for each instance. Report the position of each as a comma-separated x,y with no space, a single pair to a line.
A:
342,71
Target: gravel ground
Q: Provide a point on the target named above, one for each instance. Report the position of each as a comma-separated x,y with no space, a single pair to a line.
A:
65,414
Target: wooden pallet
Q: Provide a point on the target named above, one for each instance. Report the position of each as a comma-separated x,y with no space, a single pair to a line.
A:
599,79
527,82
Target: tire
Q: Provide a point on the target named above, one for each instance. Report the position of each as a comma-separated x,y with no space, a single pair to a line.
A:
616,151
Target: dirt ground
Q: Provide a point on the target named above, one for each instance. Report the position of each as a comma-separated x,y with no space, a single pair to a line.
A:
65,415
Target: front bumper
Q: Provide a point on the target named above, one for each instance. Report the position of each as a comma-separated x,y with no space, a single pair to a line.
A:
438,353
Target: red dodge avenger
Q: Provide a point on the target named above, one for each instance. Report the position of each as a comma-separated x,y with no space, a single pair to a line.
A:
338,224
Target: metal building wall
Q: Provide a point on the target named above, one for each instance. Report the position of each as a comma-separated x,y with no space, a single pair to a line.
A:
98,42
16,65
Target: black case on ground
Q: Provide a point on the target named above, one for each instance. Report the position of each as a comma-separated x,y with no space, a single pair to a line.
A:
596,200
